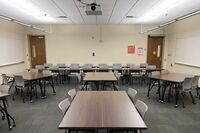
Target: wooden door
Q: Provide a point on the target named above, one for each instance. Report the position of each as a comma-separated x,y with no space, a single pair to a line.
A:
155,49
38,52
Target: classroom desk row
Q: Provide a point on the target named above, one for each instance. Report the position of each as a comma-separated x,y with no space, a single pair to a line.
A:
36,77
164,80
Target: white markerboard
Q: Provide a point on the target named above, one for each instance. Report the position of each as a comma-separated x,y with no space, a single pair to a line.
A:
188,51
11,51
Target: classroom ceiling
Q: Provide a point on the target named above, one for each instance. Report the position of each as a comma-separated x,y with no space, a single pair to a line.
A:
113,11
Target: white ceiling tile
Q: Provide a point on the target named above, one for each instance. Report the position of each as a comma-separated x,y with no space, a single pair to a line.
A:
121,9
76,11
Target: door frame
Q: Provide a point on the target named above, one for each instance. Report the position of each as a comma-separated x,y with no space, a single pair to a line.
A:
30,49
163,45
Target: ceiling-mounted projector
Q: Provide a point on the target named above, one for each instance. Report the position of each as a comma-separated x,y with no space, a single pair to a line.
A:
93,9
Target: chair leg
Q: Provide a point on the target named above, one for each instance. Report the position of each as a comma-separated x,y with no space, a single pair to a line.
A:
182,99
3,117
193,101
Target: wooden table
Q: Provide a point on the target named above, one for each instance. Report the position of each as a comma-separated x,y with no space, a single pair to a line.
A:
36,76
102,110
3,96
97,77
173,78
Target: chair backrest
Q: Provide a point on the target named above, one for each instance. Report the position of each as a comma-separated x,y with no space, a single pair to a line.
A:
53,67
34,70
141,107
64,105
143,65
165,72
151,67
195,81
134,67
4,79
117,74
187,84
4,88
87,66
61,65
40,67
117,66
132,93
74,66
47,72
130,65
72,93
155,73
19,81
103,68
48,65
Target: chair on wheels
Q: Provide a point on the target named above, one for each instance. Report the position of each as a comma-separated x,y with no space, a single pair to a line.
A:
135,73
20,85
103,68
74,70
195,84
72,93
132,94
40,68
7,80
186,87
154,83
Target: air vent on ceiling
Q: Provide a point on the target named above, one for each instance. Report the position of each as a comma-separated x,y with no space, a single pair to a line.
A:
62,16
130,17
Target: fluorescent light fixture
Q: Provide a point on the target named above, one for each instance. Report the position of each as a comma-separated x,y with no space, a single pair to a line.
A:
153,28
189,15
162,25
22,23
28,7
6,18
37,28
161,8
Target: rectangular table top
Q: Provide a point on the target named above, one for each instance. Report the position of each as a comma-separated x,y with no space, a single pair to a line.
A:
99,76
33,75
171,77
3,94
102,109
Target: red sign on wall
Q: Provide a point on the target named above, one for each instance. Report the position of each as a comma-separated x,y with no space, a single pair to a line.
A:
131,49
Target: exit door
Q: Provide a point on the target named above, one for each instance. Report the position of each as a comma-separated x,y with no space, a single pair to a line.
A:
38,52
155,50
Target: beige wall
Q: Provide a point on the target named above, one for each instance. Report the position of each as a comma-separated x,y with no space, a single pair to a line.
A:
185,28
75,44
10,30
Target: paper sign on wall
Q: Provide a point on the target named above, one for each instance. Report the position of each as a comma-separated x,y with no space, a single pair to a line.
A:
131,49
140,51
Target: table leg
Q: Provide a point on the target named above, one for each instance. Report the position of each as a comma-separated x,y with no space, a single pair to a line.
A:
177,95
6,113
52,85
41,89
115,88
164,89
31,91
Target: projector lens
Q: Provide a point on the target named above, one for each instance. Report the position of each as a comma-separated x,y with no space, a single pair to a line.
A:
93,8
